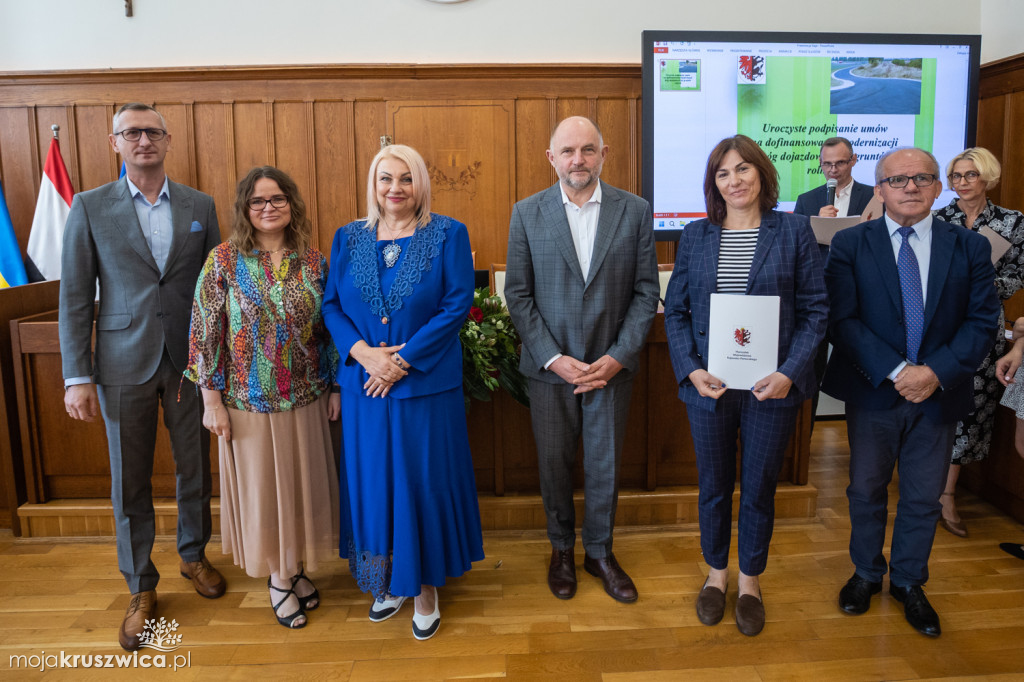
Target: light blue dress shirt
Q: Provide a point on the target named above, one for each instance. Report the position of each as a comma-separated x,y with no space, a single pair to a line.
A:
921,244
155,221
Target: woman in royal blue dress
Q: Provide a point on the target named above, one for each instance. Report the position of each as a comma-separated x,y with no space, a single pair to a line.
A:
399,289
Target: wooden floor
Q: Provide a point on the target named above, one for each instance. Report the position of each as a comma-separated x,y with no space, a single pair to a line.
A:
500,621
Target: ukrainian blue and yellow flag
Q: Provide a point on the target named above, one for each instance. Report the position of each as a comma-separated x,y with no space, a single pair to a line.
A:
12,267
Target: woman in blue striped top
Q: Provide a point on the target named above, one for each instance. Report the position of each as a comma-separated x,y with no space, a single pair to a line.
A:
743,247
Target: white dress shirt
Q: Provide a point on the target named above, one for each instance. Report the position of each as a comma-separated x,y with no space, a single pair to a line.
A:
842,203
583,227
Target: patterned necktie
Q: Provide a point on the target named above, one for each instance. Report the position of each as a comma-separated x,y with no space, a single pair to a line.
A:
913,301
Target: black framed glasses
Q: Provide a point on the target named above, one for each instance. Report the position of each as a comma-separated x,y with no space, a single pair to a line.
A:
900,181
838,165
969,176
259,203
135,134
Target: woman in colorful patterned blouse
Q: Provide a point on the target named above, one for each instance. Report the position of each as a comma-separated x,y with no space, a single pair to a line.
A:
401,286
971,174
262,356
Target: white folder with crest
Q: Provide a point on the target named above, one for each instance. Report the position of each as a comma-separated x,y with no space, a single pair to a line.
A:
743,339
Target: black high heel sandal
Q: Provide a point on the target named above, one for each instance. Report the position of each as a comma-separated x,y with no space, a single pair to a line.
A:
311,600
287,621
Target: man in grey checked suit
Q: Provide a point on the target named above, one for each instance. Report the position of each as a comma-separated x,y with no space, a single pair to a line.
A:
582,288
145,239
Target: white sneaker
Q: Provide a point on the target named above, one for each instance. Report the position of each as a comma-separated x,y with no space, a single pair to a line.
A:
424,627
382,609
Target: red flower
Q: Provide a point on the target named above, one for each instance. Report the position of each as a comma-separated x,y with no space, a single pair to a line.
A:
476,314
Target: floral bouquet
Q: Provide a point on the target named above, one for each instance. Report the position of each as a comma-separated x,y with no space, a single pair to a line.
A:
490,351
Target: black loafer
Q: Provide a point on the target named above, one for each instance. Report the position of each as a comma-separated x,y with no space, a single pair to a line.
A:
855,597
919,612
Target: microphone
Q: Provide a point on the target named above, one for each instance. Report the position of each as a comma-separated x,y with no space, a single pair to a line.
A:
830,191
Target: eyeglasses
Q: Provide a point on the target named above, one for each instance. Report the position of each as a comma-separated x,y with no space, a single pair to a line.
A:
135,134
838,165
969,176
920,180
259,203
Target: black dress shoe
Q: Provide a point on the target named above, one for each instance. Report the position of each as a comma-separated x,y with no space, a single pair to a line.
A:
855,597
616,583
1013,549
562,573
919,612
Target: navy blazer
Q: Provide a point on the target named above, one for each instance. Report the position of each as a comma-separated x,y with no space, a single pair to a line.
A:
866,324
811,201
786,264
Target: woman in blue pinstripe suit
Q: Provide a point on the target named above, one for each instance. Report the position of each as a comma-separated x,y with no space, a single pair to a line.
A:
743,247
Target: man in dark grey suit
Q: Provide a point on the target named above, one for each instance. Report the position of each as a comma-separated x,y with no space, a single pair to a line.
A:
144,239
582,288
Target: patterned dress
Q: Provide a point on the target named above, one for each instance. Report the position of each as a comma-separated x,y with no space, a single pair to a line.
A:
974,433
258,337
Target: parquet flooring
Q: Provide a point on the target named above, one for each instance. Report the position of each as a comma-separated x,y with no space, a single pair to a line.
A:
500,621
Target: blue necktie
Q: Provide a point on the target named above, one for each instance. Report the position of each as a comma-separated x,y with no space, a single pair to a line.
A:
913,301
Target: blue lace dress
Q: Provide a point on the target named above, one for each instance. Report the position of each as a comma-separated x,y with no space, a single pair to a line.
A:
409,512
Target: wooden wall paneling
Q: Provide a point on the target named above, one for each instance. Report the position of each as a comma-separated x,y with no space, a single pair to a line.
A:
573,106
991,130
534,120
180,160
290,151
253,135
336,180
309,144
97,163
215,158
469,148
1013,152
620,163
370,124
18,160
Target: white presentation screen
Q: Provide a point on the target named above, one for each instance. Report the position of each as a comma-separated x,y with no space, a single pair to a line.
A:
790,92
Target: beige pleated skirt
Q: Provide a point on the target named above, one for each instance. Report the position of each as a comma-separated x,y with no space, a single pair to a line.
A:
279,490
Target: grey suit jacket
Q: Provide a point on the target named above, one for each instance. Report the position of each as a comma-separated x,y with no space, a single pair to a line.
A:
554,309
140,311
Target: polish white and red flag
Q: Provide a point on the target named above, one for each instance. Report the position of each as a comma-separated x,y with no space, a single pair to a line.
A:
46,239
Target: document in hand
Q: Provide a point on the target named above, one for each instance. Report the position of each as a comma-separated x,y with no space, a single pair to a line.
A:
999,244
826,228
743,339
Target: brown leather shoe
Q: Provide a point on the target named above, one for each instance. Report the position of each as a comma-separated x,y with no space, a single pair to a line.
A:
205,578
710,605
141,608
562,573
749,614
616,583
